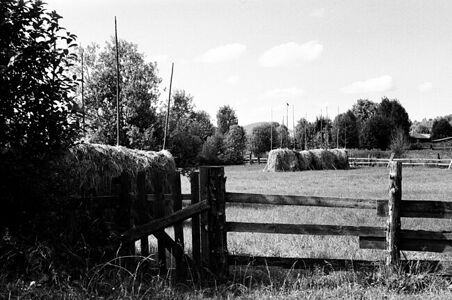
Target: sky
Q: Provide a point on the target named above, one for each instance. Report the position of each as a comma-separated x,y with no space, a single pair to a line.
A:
258,55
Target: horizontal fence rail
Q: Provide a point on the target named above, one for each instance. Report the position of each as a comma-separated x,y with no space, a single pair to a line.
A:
301,200
418,209
161,223
427,162
307,229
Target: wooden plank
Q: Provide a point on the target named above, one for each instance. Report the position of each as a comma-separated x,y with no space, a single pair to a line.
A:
441,246
309,229
152,197
393,224
195,224
172,246
301,200
161,223
204,227
178,227
217,220
302,263
418,209
159,213
142,210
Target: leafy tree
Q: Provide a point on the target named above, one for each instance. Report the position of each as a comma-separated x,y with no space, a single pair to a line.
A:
344,128
212,149
188,129
424,126
376,133
226,117
139,123
322,132
283,136
303,134
441,128
37,120
399,142
395,113
364,109
260,140
36,117
234,145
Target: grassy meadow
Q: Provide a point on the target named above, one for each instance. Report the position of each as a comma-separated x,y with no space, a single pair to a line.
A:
111,281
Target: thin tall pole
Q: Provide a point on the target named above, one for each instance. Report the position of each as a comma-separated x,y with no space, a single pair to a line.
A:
117,86
280,145
306,132
337,129
287,115
271,128
83,93
293,125
168,109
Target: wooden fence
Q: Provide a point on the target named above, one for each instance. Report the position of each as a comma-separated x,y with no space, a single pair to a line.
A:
208,200
409,162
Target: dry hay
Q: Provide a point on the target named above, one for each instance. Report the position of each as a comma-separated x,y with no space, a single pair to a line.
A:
316,159
89,168
282,160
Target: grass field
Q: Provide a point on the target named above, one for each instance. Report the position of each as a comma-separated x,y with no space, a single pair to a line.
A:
273,283
366,183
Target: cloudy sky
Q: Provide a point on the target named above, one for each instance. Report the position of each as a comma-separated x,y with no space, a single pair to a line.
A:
258,55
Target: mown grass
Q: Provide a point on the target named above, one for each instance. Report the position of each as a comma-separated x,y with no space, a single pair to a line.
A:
113,282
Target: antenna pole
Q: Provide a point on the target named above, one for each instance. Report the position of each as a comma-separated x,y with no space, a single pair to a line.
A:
168,109
117,86
83,94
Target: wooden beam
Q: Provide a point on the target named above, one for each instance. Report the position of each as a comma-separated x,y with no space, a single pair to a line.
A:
301,200
441,246
301,263
418,209
161,223
309,229
393,223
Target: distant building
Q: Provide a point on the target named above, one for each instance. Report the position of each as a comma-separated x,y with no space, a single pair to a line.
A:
419,138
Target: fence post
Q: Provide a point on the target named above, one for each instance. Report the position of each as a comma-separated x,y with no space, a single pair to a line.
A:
179,227
195,224
123,217
393,226
142,208
159,211
218,260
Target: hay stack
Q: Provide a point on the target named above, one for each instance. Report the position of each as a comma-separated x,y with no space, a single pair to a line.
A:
317,159
282,160
90,168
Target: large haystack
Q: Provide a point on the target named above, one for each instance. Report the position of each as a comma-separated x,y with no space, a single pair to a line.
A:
90,168
282,160
317,159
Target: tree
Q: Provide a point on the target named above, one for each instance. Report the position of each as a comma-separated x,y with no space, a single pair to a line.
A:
345,132
376,133
260,140
234,145
395,113
139,122
441,128
36,116
226,117
364,109
283,136
37,119
212,149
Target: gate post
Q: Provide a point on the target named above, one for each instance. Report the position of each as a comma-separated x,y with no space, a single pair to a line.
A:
213,188
393,225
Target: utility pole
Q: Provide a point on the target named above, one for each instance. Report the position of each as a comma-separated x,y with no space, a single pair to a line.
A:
271,128
293,125
83,95
117,86
168,108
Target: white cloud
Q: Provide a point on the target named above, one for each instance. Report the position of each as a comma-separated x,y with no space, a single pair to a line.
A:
318,13
292,92
286,54
378,84
222,53
425,87
232,79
